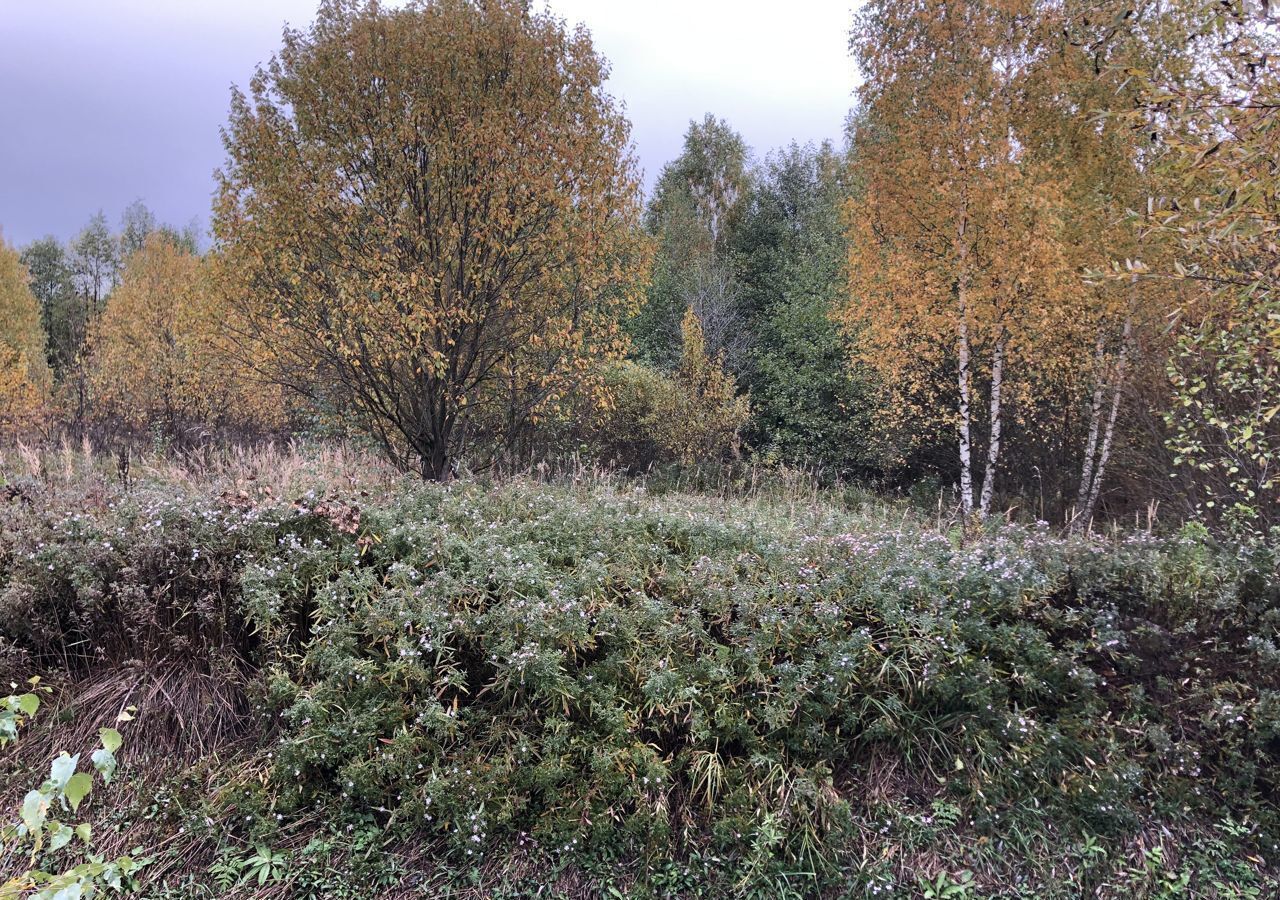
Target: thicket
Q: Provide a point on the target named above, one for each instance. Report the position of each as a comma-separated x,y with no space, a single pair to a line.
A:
662,693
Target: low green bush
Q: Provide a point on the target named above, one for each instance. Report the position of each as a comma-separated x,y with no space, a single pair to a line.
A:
599,673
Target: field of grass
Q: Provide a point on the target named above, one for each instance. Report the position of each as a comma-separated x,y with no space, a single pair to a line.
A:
349,685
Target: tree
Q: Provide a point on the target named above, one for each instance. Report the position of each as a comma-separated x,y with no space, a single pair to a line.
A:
1215,120
711,174
136,224
95,260
696,204
788,249
430,215
704,415
24,372
159,360
959,269
95,266
53,283
1102,373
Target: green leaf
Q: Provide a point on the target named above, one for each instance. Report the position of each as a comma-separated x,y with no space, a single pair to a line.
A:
110,739
59,836
62,769
78,788
83,830
105,762
29,703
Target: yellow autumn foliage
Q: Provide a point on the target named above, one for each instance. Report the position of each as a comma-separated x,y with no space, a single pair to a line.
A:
25,379
158,357
430,218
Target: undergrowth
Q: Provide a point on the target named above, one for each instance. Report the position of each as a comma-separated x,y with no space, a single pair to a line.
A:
351,688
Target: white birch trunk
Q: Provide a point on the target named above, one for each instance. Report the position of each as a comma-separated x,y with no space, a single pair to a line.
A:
993,447
964,364
1104,454
1095,427
964,425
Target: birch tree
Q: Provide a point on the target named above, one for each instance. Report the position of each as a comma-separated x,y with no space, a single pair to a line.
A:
949,221
160,359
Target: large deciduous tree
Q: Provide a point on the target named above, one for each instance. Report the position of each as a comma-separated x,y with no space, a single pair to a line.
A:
430,218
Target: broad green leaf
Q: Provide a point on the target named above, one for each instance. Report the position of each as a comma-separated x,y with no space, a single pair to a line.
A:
59,836
70,892
110,739
62,769
78,788
105,762
83,830
29,703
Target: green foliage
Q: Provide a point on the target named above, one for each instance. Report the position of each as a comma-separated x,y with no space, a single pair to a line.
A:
510,662
39,830
945,887
696,205
1210,107
1225,377
15,711
52,282
683,695
789,252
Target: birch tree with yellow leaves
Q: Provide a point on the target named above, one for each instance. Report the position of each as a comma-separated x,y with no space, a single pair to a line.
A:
430,220
25,379
953,255
159,360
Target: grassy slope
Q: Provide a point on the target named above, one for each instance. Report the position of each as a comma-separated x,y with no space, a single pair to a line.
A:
489,688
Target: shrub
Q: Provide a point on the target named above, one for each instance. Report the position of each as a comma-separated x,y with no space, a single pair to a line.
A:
693,415
600,674
487,663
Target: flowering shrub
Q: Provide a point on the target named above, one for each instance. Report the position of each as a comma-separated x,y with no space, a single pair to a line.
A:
516,660
597,670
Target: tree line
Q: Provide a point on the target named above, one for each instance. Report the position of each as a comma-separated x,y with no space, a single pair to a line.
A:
1038,273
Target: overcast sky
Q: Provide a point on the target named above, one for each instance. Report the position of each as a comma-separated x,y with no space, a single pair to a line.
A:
106,101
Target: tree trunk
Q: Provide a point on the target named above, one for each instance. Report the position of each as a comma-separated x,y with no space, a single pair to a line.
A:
993,447
963,373
965,429
1097,457
1104,454
1095,425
